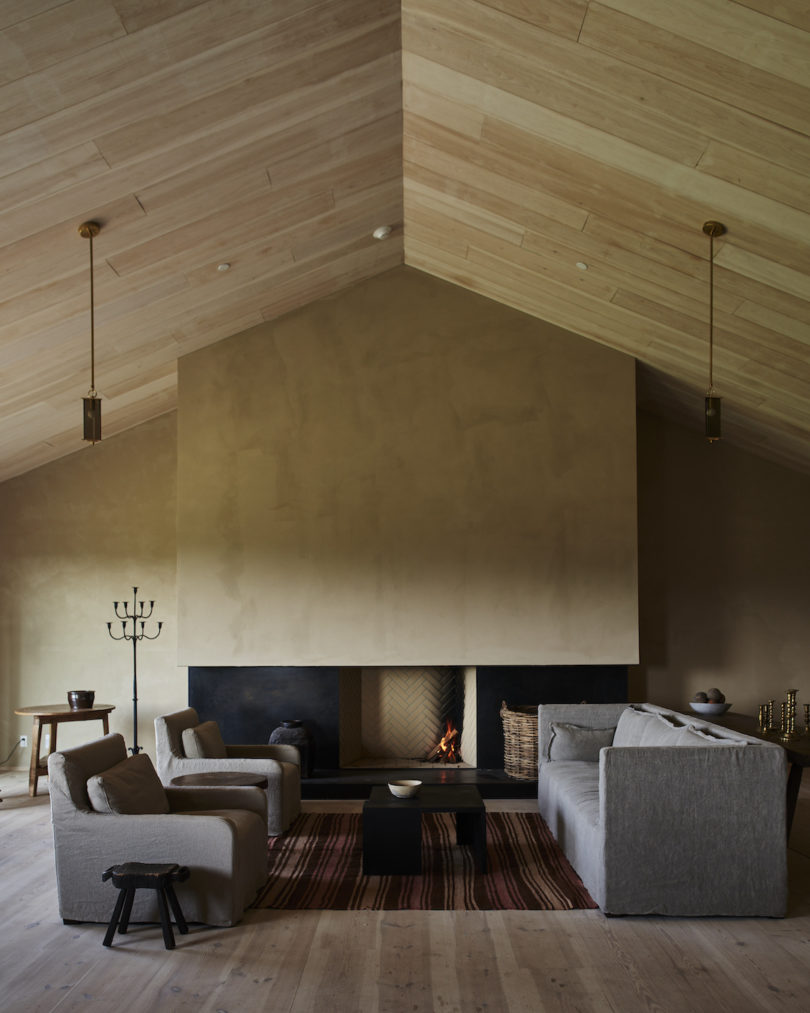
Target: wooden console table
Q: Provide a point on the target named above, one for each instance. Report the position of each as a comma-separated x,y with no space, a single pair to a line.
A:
798,753
53,714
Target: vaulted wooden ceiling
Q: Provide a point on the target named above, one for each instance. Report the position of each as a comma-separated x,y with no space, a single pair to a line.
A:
511,143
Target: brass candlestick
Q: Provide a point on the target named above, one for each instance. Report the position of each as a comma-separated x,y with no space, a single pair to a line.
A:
789,717
786,728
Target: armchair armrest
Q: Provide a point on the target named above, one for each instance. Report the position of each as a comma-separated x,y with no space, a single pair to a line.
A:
145,838
233,797
227,858
266,765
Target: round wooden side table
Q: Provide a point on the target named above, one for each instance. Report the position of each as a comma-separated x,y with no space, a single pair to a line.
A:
222,778
54,714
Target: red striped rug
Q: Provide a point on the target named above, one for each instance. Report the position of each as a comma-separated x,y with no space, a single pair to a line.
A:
318,862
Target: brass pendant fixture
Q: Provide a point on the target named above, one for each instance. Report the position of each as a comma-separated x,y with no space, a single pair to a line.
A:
91,405
713,403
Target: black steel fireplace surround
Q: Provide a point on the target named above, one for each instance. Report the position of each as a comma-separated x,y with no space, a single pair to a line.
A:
248,702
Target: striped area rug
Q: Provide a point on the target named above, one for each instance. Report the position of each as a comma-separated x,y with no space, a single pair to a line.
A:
318,863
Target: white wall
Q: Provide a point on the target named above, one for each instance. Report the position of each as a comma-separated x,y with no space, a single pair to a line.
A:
407,474
75,535
724,584
724,590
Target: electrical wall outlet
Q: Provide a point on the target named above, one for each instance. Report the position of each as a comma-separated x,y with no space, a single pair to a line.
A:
46,741
24,741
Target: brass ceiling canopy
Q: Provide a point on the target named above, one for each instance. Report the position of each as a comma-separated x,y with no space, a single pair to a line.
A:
87,230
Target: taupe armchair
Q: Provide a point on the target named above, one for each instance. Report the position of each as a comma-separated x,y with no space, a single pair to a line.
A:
219,833
178,734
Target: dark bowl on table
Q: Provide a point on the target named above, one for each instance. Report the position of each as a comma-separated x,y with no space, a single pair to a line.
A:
81,699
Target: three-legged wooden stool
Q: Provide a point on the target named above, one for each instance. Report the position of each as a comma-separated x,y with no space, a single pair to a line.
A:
134,876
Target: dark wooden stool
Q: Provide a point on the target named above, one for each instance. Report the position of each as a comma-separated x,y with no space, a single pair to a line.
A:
134,876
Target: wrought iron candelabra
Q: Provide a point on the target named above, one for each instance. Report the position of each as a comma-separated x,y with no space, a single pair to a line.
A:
137,615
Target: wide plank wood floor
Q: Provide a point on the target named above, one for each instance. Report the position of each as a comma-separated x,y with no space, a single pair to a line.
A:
392,962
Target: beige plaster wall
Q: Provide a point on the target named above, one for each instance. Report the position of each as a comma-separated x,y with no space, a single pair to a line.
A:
74,536
724,587
406,474
723,550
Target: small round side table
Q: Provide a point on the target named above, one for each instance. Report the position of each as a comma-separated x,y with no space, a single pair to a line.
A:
221,778
54,714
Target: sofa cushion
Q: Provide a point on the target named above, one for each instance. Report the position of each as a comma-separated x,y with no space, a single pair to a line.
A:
692,736
630,725
574,788
646,728
661,732
576,742
131,787
204,741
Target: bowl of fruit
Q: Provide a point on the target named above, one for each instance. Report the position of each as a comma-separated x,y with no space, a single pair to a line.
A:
711,703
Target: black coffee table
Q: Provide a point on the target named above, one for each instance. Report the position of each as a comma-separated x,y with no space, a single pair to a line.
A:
392,827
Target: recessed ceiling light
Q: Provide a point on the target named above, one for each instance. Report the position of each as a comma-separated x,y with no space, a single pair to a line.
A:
382,232
223,266
581,265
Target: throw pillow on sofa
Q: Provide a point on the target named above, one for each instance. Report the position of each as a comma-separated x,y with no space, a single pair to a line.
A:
576,742
204,741
646,728
132,787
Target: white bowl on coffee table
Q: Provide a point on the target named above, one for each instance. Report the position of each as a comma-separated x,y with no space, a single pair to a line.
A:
404,789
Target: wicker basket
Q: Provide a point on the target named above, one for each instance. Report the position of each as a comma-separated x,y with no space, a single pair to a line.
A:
520,741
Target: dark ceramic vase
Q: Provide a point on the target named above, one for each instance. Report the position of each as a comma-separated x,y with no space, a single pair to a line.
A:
294,733
81,699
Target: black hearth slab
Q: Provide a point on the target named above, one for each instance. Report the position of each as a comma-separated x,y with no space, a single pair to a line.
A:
357,783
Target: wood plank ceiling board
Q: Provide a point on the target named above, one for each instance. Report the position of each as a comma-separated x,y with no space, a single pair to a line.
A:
197,132
505,140
645,119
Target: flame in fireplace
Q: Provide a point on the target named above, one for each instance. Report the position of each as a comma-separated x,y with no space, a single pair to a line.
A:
447,749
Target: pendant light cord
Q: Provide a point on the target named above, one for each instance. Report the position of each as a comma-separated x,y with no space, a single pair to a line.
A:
712,229
92,391
711,309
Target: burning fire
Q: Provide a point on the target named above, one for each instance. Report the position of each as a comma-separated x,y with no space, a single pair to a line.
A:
446,751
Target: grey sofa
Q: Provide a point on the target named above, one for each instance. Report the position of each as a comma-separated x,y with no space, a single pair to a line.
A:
219,833
280,764
664,813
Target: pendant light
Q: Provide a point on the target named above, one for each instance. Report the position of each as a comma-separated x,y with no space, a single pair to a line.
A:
712,402
91,403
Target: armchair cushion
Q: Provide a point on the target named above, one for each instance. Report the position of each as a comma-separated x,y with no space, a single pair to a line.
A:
204,741
131,787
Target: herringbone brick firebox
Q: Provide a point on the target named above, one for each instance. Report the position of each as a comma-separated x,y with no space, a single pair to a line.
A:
395,716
